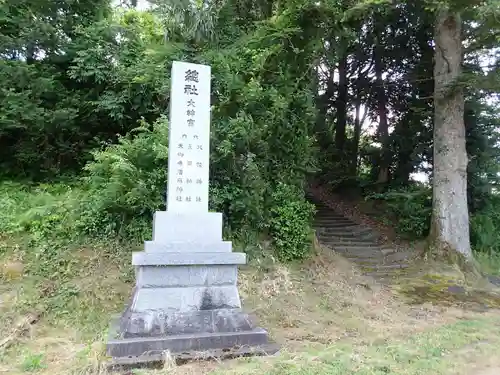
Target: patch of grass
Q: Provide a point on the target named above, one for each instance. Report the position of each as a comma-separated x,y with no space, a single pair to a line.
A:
33,363
431,352
327,316
489,262
329,319
23,206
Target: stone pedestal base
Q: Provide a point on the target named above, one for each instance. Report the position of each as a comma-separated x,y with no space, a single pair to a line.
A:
186,299
200,334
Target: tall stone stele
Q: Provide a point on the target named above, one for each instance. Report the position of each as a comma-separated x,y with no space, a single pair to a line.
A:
186,299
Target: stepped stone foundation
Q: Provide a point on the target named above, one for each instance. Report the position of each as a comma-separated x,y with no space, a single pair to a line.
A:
186,299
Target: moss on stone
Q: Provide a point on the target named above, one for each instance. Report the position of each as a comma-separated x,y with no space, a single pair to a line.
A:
443,289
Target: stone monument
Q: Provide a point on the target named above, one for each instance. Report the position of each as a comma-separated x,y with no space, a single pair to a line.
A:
186,300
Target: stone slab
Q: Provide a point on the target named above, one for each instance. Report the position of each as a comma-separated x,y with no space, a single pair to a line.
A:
154,276
220,354
188,247
178,344
198,227
183,259
186,298
160,323
189,138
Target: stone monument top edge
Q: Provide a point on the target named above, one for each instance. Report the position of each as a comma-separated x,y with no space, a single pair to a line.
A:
190,64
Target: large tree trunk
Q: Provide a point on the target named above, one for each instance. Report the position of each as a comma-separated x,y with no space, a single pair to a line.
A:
449,234
341,104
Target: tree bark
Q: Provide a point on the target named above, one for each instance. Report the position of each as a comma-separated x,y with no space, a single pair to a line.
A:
341,104
383,127
449,236
325,138
356,137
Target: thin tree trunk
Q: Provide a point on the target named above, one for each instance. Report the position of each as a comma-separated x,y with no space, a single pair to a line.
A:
449,234
356,137
383,127
321,128
341,104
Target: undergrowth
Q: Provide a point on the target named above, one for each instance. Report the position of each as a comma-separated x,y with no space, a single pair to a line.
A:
124,185
409,210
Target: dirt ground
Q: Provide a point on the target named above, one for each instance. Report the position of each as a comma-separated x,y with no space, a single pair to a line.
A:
328,317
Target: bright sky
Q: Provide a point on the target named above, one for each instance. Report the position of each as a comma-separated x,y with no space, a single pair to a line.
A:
142,4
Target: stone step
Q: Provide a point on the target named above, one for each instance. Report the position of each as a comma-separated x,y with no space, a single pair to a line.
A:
351,228
383,277
358,243
362,255
356,248
329,238
398,257
354,242
338,226
385,267
367,240
344,233
367,261
375,256
333,220
388,253
330,215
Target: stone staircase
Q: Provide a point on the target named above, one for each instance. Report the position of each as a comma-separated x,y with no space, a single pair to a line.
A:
358,243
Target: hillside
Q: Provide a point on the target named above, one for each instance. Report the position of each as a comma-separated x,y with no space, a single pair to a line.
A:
328,316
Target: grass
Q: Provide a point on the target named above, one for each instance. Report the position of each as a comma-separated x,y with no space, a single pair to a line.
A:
328,317
489,262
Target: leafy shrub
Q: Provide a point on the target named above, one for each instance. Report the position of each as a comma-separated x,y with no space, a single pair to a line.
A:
126,185
411,209
485,228
290,225
126,182
43,211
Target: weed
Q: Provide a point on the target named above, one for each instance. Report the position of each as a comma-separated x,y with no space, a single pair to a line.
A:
33,362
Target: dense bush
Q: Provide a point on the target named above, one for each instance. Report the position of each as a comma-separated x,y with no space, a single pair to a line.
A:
126,185
485,228
126,182
290,223
410,209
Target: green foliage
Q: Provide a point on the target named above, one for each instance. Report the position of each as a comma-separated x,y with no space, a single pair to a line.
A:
126,182
291,218
33,362
41,211
485,225
409,210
